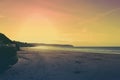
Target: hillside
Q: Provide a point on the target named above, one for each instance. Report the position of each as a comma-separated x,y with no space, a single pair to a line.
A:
4,39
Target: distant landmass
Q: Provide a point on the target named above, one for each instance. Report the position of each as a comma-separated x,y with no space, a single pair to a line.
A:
55,45
25,44
5,40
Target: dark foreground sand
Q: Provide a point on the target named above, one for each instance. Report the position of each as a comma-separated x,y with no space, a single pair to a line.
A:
64,65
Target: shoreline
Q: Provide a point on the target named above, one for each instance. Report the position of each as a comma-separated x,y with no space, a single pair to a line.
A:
64,65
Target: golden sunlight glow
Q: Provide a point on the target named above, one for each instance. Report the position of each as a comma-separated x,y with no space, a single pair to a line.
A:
76,22
38,28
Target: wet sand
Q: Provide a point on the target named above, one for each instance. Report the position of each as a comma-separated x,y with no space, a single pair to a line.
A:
64,65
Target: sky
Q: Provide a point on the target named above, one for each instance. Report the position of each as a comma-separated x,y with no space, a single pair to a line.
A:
76,22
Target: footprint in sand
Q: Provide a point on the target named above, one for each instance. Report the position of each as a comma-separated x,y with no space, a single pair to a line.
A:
77,72
78,62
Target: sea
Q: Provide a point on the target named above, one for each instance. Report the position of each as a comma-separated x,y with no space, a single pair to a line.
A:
101,50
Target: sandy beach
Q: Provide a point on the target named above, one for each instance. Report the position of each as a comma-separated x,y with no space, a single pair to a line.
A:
63,65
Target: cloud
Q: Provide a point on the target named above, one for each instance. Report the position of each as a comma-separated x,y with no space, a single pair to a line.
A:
99,16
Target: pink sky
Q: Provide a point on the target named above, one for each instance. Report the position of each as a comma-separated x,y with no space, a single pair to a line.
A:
77,22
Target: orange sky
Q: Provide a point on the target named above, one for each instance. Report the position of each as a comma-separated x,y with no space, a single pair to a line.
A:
77,22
